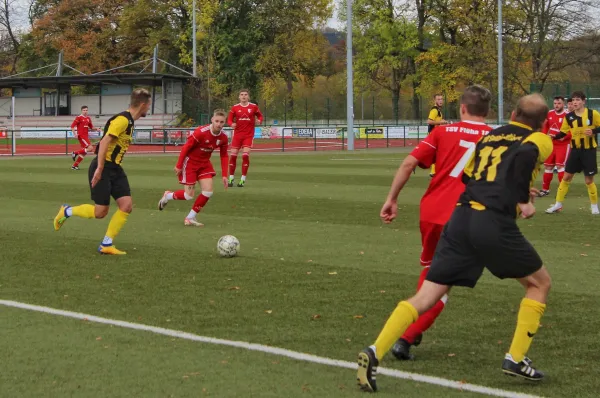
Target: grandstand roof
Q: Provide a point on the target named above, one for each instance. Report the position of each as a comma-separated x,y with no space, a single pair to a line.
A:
142,79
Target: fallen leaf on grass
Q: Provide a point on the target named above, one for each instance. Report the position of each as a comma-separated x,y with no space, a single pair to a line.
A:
234,288
358,317
382,291
451,355
333,273
583,255
97,276
317,316
98,338
308,273
269,311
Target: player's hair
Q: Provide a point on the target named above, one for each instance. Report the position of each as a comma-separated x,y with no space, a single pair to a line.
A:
531,111
437,95
578,94
560,97
244,90
139,96
569,100
219,112
477,99
84,107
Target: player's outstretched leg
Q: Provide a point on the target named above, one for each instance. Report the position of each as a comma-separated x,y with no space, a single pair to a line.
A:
531,310
177,195
561,193
66,211
232,167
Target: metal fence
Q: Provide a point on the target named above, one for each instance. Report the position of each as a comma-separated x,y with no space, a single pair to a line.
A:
268,138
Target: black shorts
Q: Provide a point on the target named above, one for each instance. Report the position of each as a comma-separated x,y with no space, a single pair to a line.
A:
473,240
581,159
113,183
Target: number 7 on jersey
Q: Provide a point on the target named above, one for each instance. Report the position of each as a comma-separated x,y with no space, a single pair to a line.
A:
460,166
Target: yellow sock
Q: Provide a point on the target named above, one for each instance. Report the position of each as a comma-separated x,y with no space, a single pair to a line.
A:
528,322
563,188
402,317
593,193
83,211
116,223
432,169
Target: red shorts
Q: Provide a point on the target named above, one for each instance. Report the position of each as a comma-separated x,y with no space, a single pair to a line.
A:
242,141
430,235
559,155
84,140
194,173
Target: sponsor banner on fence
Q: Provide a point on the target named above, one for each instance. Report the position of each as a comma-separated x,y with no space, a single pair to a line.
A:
303,132
32,132
371,132
328,133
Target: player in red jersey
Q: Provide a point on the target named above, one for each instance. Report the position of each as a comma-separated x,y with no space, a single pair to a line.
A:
450,147
242,118
561,147
194,166
83,124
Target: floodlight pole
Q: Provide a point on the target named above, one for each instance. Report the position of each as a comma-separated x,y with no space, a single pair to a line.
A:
194,72
500,67
350,82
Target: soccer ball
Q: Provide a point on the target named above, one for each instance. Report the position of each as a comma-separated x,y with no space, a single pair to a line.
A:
228,246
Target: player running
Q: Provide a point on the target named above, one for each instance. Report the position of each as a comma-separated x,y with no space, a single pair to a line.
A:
106,176
560,151
483,233
80,128
450,146
194,166
242,118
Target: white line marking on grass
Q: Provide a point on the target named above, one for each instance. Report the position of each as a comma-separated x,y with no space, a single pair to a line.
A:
271,350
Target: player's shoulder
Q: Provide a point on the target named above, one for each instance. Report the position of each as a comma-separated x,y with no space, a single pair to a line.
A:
542,141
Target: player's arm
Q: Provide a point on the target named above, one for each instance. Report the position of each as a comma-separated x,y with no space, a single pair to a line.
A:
230,118
389,211
546,126
191,142
259,115
73,126
596,123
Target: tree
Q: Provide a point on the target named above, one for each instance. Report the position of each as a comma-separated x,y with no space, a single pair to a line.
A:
386,44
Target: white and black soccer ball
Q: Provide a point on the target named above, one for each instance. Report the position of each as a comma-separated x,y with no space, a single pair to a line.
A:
228,246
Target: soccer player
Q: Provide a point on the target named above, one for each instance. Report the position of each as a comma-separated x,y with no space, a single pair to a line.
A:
450,146
106,175
483,232
83,124
242,118
560,151
435,119
583,124
194,166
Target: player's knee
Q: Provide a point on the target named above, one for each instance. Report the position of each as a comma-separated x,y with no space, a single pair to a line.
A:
208,194
568,177
100,212
188,195
126,208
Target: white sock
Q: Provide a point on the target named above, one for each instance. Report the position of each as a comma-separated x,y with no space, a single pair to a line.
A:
559,203
595,206
243,178
107,241
69,211
374,350
192,214
169,196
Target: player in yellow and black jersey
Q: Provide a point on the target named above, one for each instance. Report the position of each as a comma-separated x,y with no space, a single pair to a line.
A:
584,125
483,233
434,119
106,176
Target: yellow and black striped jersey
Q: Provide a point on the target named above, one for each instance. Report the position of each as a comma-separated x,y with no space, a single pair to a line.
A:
119,126
503,168
589,120
435,114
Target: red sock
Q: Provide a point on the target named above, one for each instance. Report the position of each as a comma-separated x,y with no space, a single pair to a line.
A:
561,174
424,322
78,160
548,175
232,164
179,195
200,203
245,163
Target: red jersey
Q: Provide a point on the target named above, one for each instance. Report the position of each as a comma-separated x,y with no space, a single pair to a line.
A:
83,124
245,118
450,147
200,146
552,126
